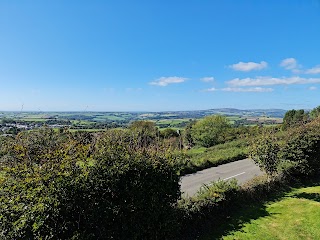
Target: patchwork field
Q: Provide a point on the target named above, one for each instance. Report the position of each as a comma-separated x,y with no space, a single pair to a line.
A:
174,119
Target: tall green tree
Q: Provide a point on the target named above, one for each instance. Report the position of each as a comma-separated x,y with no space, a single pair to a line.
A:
294,118
210,130
265,153
187,134
315,112
145,133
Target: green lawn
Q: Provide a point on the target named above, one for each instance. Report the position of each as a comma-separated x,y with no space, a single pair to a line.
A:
295,216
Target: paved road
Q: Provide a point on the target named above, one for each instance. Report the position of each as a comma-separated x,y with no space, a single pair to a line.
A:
242,170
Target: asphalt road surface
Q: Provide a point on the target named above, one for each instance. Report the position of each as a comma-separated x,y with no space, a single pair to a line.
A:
242,170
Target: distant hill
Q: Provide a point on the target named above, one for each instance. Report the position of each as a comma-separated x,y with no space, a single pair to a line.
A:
275,113
165,119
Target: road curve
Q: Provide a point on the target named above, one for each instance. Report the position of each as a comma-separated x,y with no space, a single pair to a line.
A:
242,170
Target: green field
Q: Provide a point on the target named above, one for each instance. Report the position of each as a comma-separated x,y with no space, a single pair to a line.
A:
294,216
174,119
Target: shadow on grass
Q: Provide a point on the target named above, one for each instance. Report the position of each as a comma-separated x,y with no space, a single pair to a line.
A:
246,212
309,196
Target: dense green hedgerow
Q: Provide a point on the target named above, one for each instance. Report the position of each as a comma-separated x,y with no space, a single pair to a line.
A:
69,186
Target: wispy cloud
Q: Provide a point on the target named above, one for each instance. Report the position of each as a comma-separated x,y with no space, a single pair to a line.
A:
210,90
269,81
207,79
314,70
312,88
231,89
291,64
254,89
165,81
249,66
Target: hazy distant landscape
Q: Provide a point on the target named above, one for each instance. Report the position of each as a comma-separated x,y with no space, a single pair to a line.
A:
96,121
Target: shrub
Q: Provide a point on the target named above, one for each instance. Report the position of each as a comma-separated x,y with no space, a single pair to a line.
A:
302,148
265,153
72,186
208,207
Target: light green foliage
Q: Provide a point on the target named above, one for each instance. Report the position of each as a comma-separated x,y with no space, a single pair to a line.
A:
265,153
210,130
217,191
201,158
315,113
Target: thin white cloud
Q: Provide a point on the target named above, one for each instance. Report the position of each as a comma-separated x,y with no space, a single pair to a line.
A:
249,66
207,79
314,70
289,63
210,90
165,81
312,88
292,64
254,89
269,81
231,89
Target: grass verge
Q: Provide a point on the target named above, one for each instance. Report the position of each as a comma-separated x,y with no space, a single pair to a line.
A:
202,158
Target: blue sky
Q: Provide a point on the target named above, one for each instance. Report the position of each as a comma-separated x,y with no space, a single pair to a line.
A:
159,55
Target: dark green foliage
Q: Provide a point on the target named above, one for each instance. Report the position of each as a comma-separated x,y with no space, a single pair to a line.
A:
187,135
297,153
169,133
294,118
302,148
208,207
78,186
145,133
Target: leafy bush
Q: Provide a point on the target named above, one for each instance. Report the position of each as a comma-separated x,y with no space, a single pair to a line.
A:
302,148
265,153
207,208
77,186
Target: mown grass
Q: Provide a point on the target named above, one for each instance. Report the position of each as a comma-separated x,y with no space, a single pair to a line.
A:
202,158
294,216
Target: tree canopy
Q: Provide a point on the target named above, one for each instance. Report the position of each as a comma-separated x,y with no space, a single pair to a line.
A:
294,117
210,130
